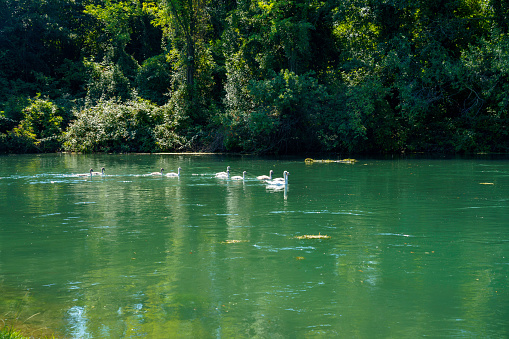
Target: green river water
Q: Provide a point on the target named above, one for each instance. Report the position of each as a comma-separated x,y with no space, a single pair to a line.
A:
414,248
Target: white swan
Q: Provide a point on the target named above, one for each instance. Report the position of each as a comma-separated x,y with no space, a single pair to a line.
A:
157,173
173,174
265,177
98,173
278,181
85,174
238,177
281,179
224,175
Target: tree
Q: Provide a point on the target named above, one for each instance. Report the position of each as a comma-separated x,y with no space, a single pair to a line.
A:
186,29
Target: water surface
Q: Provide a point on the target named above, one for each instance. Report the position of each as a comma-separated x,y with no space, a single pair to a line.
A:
417,247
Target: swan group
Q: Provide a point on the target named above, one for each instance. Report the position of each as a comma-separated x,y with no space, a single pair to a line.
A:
221,175
226,175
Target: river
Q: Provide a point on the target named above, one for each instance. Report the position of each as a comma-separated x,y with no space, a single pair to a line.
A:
382,248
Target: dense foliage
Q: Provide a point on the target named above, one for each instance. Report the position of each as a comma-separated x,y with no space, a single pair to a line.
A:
254,76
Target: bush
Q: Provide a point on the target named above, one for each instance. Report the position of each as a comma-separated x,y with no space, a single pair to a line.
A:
43,120
133,126
168,134
21,141
38,131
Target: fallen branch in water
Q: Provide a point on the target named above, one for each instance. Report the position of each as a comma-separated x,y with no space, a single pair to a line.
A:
233,241
344,161
309,236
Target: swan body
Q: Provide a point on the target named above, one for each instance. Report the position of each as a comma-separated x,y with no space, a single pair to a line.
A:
158,173
279,181
173,174
85,174
265,177
98,173
224,175
238,177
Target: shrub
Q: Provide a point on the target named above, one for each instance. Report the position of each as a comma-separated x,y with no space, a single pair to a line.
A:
38,131
42,119
133,126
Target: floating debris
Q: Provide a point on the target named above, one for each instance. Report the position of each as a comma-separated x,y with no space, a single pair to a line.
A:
343,161
310,236
486,183
347,161
299,258
231,241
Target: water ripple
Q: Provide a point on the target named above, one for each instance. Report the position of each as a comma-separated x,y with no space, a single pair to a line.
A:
397,235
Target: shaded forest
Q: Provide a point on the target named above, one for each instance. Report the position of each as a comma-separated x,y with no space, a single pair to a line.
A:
380,76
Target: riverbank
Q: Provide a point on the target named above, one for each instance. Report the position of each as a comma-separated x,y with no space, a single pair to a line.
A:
10,333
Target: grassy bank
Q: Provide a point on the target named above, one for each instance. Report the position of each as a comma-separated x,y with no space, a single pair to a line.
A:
10,333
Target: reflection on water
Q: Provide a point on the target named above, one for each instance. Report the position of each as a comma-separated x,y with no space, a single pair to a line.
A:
416,247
